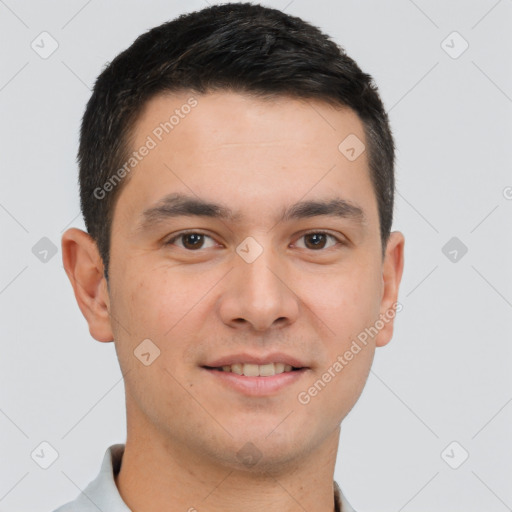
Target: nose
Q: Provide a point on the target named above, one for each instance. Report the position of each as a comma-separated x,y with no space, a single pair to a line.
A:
259,294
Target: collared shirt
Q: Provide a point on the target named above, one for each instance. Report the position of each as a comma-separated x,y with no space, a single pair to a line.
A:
102,494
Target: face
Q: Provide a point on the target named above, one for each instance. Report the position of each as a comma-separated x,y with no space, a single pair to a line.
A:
258,278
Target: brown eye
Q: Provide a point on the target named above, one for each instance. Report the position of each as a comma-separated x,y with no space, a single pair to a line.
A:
191,241
317,240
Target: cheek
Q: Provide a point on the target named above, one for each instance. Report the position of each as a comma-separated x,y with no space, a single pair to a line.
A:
161,306
138,312
149,307
335,388
347,300
152,303
348,305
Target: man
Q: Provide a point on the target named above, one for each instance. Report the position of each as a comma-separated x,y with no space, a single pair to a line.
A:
236,180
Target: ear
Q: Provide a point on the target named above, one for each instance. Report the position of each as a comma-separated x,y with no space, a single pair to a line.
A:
392,269
84,268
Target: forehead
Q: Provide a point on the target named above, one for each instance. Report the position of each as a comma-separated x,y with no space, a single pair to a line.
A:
244,148
242,117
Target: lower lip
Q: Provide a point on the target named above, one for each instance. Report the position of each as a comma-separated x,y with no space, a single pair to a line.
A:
257,386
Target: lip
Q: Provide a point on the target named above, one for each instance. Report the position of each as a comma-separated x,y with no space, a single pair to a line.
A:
274,357
256,386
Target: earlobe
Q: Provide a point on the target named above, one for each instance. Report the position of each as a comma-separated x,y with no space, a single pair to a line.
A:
84,268
392,270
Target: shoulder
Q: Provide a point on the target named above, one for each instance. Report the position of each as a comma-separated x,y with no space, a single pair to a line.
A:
341,503
101,493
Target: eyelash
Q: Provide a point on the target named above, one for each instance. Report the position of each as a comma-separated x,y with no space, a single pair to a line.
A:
184,233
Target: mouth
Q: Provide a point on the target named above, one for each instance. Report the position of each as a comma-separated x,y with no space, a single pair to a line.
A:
256,370
255,380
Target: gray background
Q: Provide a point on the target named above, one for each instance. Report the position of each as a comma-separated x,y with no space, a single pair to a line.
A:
446,374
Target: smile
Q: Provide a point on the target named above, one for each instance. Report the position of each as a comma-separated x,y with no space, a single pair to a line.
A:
255,370
251,382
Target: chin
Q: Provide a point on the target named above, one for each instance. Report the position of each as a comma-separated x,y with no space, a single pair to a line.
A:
262,449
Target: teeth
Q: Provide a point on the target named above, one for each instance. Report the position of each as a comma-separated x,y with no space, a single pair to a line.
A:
266,370
278,367
235,368
251,370
255,370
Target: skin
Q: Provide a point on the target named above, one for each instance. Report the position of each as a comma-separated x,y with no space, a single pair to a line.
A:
184,427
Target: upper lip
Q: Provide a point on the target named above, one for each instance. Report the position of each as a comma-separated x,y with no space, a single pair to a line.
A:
275,357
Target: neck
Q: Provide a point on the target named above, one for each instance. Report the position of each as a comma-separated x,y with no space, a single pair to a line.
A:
161,475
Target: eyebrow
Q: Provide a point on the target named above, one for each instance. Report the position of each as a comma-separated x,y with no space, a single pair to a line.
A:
181,205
